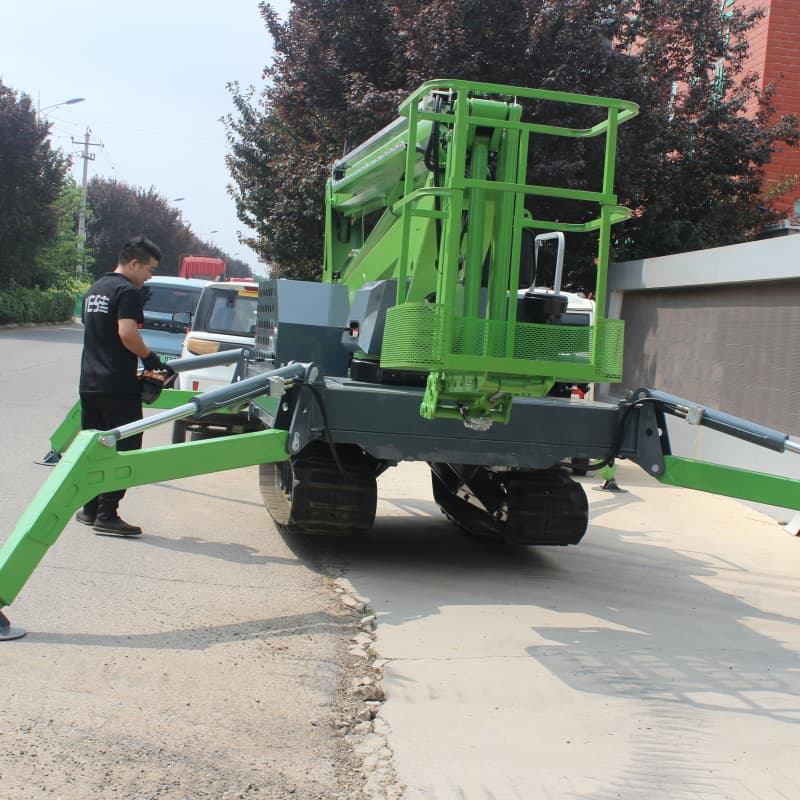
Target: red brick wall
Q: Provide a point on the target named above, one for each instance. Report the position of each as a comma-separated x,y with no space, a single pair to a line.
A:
775,55
758,36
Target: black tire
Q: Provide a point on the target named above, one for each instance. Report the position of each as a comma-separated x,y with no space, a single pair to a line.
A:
579,466
463,515
202,432
544,507
309,495
277,483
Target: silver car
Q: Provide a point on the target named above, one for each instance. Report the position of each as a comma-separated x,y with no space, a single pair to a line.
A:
166,296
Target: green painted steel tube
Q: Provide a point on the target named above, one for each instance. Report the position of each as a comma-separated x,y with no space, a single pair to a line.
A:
419,194
516,240
543,191
473,262
615,214
66,432
611,151
497,308
544,130
601,279
88,468
774,490
629,108
451,230
405,222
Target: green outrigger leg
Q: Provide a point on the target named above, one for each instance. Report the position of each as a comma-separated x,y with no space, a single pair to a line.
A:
743,484
92,465
66,432
89,468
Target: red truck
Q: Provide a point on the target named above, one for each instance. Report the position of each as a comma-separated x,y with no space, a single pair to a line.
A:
203,267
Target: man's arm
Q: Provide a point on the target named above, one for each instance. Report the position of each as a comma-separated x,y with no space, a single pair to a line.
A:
131,338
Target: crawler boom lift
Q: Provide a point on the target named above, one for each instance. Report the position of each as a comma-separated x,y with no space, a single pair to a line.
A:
429,339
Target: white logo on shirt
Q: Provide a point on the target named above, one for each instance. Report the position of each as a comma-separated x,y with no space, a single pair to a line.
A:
97,303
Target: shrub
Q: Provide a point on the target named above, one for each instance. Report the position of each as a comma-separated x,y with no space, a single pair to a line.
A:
33,305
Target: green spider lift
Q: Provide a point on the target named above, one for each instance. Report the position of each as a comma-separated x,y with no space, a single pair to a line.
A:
430,338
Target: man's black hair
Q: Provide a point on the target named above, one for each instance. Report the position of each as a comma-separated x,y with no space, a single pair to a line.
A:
139,248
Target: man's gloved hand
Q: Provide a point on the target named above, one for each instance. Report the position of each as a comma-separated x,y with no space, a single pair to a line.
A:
152,363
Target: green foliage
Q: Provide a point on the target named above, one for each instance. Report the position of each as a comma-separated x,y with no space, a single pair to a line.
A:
20,305
704,186
31,177
57,261
328,87
119,211
691,166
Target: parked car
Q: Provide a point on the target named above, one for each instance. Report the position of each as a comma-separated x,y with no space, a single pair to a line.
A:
167,296
225,319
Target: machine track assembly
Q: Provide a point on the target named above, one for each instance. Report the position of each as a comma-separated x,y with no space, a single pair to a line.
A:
310,494
541,507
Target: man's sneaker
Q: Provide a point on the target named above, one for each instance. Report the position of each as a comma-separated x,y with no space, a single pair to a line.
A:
84,518
116,527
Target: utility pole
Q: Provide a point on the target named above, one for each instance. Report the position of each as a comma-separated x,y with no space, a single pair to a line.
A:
87,157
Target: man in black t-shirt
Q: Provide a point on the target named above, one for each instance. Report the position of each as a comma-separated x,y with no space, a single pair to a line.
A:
109,386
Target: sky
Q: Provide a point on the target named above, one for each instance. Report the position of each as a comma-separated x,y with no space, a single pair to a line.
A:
154,77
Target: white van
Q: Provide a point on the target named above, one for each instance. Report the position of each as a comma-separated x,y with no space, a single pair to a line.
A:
225,319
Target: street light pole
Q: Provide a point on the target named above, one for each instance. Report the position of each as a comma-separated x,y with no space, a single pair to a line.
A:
71,102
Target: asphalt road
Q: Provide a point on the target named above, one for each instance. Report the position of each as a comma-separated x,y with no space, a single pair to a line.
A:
200,661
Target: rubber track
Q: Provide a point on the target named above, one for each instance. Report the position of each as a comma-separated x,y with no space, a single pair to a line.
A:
324,501
545,507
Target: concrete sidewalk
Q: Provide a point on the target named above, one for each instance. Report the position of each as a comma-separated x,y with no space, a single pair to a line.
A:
658,659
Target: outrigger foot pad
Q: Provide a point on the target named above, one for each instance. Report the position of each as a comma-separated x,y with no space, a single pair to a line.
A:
50,459
7,632
610,485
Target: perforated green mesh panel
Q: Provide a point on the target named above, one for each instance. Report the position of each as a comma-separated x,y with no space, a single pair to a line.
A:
414,335
612,337
414,338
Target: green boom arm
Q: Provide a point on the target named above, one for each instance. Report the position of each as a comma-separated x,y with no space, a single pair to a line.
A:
92,465
718,478
89,468
450,177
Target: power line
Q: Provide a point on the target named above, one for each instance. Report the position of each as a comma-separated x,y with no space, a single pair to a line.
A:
161,133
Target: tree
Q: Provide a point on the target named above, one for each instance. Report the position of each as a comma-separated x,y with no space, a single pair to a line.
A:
331,59
689,166
57,260
705,186
119,211
31,178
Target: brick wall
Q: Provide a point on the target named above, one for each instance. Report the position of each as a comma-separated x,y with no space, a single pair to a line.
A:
775,55
783,67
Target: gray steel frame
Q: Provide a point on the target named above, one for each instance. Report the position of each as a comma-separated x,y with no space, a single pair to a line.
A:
384,421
